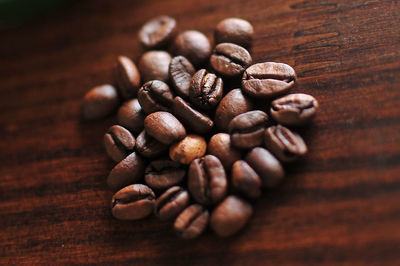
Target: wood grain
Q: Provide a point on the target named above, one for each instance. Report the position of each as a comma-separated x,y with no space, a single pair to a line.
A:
339,205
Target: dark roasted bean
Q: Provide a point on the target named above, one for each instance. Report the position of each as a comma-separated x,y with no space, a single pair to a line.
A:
284,144
191,222
233,104
190,117
171,203
128,171
247,129
207,180
149,147
154,96
220,146
127,77
180,75
157,32
230,216
266,166
230,59
131,116
164,127
154,65
246,180
162,174
119,142
206,90
234,30
265,80
133,202
99,102
294,109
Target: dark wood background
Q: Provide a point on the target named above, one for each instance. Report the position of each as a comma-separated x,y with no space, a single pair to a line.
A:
340,204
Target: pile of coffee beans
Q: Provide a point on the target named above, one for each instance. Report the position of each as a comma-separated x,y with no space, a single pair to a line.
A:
189,148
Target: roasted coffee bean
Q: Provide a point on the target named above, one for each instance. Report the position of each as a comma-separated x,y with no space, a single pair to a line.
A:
155,96
171,203
190,117
230,59
128,171
265,80
127,77
230,216
234,30
119,142
207,181
188,149
154,65
131,116
206,89
294,109
234,103
164,127
180,75
133,202
266,166
220,146
193,45
246,180
99,102
284,144
157,32
162,174
247,129
191,222
149,147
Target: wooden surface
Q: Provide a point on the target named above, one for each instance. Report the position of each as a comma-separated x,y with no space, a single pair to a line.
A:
340,204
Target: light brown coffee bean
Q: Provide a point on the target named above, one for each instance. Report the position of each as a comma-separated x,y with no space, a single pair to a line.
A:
221,147
188,149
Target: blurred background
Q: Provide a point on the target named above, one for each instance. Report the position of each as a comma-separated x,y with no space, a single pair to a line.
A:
13,12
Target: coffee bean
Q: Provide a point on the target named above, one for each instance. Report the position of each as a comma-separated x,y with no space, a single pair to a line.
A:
128,171
149,147
230,60
294,109
193,45
157,32
246,180
230,216
164,127
220,146
191,222
207,181
171,203
247,129
206,90
133,202
131,116
99,102
265,80
188,149
266,166
190,117
162,174
127,77
234,30
233,104
119,142
154,65
180,75
155,96
284,144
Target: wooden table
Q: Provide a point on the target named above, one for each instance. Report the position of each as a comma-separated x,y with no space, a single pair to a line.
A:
340,204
